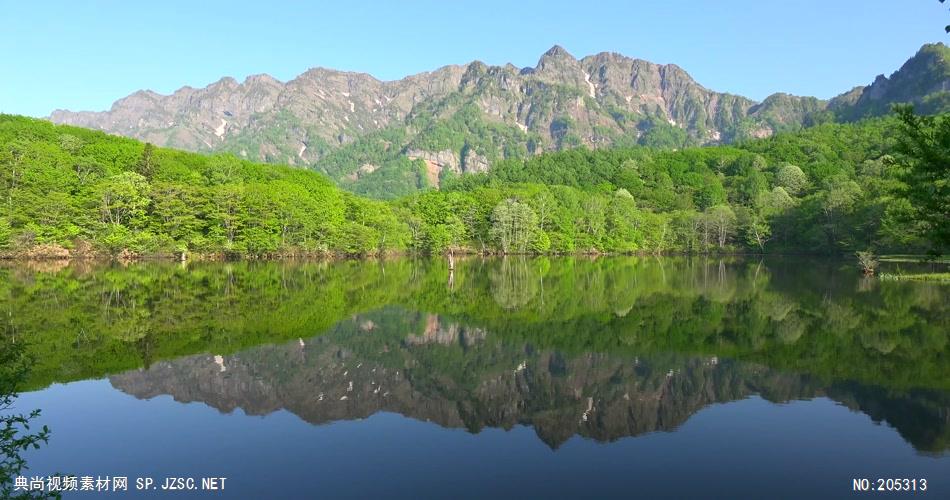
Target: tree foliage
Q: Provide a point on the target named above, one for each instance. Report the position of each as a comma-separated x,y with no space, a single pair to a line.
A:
70,187
514,226
878,184
925,143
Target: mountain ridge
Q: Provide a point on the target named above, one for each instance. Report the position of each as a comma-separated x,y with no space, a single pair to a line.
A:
556,66
412,132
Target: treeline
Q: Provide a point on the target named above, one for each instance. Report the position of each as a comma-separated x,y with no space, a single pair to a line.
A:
830,189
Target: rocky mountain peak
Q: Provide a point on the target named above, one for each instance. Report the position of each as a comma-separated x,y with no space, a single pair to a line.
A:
557,51
225,83
556,56
261,79
485,112
557,66
924,81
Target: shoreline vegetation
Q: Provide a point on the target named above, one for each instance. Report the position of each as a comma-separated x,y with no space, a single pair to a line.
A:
937,277
938,273
832,189
86,252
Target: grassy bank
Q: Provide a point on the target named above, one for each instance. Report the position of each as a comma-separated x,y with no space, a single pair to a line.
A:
936,277
917,259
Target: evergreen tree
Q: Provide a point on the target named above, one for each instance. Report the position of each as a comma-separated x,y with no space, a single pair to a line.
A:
926,145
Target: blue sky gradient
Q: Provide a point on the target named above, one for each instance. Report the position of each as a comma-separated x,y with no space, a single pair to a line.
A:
85,55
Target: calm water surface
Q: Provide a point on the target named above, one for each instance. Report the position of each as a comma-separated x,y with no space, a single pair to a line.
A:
507,378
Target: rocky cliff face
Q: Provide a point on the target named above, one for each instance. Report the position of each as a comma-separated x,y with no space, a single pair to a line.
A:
924,81
460,118
265,119
601,96
447,160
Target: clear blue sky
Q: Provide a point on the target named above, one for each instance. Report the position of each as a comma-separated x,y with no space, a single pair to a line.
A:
84,55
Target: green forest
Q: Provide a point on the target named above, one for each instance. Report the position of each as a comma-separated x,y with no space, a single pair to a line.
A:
878,184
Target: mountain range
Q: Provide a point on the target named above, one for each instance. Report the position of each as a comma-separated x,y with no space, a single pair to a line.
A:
394,136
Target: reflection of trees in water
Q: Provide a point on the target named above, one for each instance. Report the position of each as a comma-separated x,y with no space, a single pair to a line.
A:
807,316
621,293
791,328
715,277
513,282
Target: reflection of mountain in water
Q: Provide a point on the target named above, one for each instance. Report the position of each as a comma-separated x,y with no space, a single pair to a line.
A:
790,315
458,376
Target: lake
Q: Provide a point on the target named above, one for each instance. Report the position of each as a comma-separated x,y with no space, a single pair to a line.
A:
503,378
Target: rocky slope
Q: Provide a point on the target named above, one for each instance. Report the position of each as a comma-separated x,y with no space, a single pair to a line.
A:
924,81
459,119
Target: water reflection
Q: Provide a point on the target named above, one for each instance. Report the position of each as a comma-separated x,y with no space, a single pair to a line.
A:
603,348
426,367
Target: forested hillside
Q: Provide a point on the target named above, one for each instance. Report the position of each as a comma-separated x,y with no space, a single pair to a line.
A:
830,188
833,188
91,192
